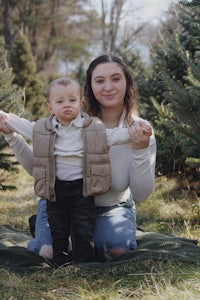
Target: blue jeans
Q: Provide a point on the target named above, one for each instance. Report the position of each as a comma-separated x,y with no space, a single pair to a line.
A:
42,242
115,228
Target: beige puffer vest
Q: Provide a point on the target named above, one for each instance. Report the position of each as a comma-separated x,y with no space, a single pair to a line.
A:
96,160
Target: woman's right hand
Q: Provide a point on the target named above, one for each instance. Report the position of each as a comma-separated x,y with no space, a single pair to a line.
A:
3,127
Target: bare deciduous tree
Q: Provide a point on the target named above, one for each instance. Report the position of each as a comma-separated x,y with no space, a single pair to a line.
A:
110,28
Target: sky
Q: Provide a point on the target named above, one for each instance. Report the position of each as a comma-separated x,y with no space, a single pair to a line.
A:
150,10
141,10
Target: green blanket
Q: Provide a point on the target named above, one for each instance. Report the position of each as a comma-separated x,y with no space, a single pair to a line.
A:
154,246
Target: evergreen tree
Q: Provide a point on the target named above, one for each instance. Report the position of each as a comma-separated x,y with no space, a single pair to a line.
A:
79,74
140,72
176,93
11,100
24,69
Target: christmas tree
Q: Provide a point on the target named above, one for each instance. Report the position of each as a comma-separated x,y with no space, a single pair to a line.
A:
11,100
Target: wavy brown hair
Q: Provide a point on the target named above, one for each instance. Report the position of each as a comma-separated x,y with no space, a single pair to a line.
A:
91,105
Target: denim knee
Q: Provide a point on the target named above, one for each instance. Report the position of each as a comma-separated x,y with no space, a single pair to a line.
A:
115,229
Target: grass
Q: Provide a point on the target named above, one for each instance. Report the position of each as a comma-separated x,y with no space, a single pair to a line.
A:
168,210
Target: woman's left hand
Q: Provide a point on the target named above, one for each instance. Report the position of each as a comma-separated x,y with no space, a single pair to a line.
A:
140,134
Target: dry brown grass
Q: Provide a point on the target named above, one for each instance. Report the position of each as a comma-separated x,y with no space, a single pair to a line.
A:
16,206
167,211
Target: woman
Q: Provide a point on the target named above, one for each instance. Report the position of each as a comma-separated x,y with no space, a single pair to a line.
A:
110,94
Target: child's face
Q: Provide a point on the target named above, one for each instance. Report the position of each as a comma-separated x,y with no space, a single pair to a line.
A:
64,102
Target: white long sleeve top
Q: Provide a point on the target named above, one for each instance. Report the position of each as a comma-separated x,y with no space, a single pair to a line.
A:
132,170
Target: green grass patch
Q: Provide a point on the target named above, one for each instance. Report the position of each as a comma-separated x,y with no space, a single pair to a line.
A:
168,210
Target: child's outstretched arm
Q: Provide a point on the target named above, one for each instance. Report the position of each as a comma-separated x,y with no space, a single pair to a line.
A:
19,125
20,148
121,135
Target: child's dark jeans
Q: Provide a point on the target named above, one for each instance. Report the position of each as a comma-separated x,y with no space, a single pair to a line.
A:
72,214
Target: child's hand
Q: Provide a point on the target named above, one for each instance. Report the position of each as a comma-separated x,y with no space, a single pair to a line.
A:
147,130
140,134
3,127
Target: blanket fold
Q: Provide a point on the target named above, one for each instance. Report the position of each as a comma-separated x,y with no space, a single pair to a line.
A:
151,246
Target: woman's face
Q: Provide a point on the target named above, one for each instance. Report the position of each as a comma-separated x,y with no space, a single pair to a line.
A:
109,85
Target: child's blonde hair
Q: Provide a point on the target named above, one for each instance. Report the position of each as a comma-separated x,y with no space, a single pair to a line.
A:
62,81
